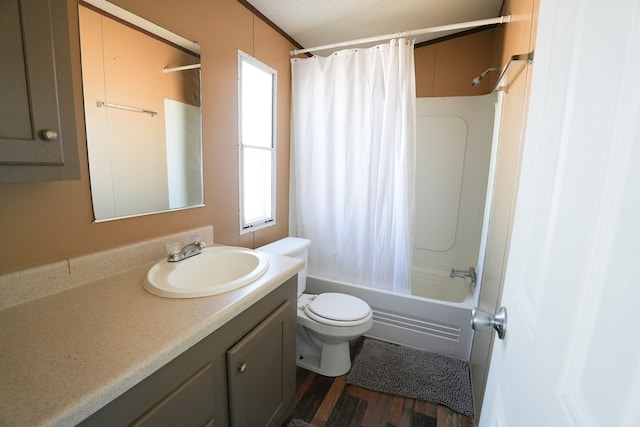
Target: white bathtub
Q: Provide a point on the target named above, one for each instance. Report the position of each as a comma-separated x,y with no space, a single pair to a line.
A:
437,318
437,285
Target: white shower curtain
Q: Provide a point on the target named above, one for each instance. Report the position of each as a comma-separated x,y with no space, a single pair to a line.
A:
353,133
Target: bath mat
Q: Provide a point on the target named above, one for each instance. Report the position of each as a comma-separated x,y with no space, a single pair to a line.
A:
413,373
298,423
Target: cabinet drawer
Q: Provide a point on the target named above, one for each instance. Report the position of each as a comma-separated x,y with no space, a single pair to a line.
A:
190,404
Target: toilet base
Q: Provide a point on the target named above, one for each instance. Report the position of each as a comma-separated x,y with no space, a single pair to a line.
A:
332,360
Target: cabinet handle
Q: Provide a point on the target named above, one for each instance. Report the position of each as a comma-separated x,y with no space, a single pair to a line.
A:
242,368
49,134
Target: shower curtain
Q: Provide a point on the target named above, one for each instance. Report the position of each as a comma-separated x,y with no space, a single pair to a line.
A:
353,167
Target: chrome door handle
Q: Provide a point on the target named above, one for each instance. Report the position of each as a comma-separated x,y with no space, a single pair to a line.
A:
482,320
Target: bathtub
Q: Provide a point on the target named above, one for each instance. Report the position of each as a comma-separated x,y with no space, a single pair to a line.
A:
436,317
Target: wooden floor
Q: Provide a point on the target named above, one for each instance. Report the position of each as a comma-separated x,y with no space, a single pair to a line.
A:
331,402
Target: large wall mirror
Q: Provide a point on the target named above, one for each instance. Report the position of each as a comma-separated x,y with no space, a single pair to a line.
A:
142,109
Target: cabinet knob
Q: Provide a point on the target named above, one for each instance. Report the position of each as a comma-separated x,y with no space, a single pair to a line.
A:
242,368
49,134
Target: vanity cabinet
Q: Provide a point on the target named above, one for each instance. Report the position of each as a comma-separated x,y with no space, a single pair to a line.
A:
243,374
38,135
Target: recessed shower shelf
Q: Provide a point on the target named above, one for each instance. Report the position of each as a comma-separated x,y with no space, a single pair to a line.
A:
503,81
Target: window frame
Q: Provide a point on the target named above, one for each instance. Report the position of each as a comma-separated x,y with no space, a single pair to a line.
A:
245,226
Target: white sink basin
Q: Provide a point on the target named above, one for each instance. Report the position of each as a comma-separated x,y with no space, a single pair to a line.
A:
214,271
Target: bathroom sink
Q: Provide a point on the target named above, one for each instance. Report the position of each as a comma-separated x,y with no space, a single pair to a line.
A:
214,271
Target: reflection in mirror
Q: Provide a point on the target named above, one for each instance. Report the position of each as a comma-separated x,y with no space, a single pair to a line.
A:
142,112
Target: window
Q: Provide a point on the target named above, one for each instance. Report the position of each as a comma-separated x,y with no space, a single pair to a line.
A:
256,143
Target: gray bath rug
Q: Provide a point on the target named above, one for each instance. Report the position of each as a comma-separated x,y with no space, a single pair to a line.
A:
415,374
298,423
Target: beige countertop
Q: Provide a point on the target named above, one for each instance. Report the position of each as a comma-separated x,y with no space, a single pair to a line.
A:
66,355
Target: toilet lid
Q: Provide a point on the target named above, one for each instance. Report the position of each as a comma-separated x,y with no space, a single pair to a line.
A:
339,307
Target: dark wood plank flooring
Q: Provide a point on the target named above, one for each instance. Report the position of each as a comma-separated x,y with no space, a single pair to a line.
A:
331,402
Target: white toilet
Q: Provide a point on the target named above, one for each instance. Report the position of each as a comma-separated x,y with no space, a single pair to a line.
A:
326,322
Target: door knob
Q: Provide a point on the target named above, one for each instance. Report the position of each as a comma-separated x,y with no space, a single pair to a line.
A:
482,320
242,368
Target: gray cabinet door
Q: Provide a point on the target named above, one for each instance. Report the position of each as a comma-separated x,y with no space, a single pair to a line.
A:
28,86
261,372
37,116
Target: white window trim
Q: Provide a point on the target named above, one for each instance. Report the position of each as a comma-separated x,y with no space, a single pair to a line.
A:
262,223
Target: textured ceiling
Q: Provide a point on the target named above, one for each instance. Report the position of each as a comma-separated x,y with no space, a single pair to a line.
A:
318,22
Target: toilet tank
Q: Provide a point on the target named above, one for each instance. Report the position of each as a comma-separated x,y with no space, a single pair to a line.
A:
295,247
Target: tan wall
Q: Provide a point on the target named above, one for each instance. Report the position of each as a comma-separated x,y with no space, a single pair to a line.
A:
447,68
45,222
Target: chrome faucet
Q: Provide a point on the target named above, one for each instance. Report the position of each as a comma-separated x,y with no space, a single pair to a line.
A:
193,248
471,273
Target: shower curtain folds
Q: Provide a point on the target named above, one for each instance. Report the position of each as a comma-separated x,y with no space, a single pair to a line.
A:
353,137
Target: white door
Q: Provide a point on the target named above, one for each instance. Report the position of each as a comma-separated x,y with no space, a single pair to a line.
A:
571,355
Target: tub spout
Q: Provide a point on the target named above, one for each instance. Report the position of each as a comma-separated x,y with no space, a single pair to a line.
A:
463,274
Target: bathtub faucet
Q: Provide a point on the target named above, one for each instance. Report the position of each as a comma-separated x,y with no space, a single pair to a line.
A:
463,274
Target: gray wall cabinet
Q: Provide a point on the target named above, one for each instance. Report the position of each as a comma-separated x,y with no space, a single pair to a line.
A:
243,374
38,134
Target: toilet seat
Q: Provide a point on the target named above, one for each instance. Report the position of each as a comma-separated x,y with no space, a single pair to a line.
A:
338,309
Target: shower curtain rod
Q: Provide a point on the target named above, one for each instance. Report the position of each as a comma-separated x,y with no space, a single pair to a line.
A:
459,26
